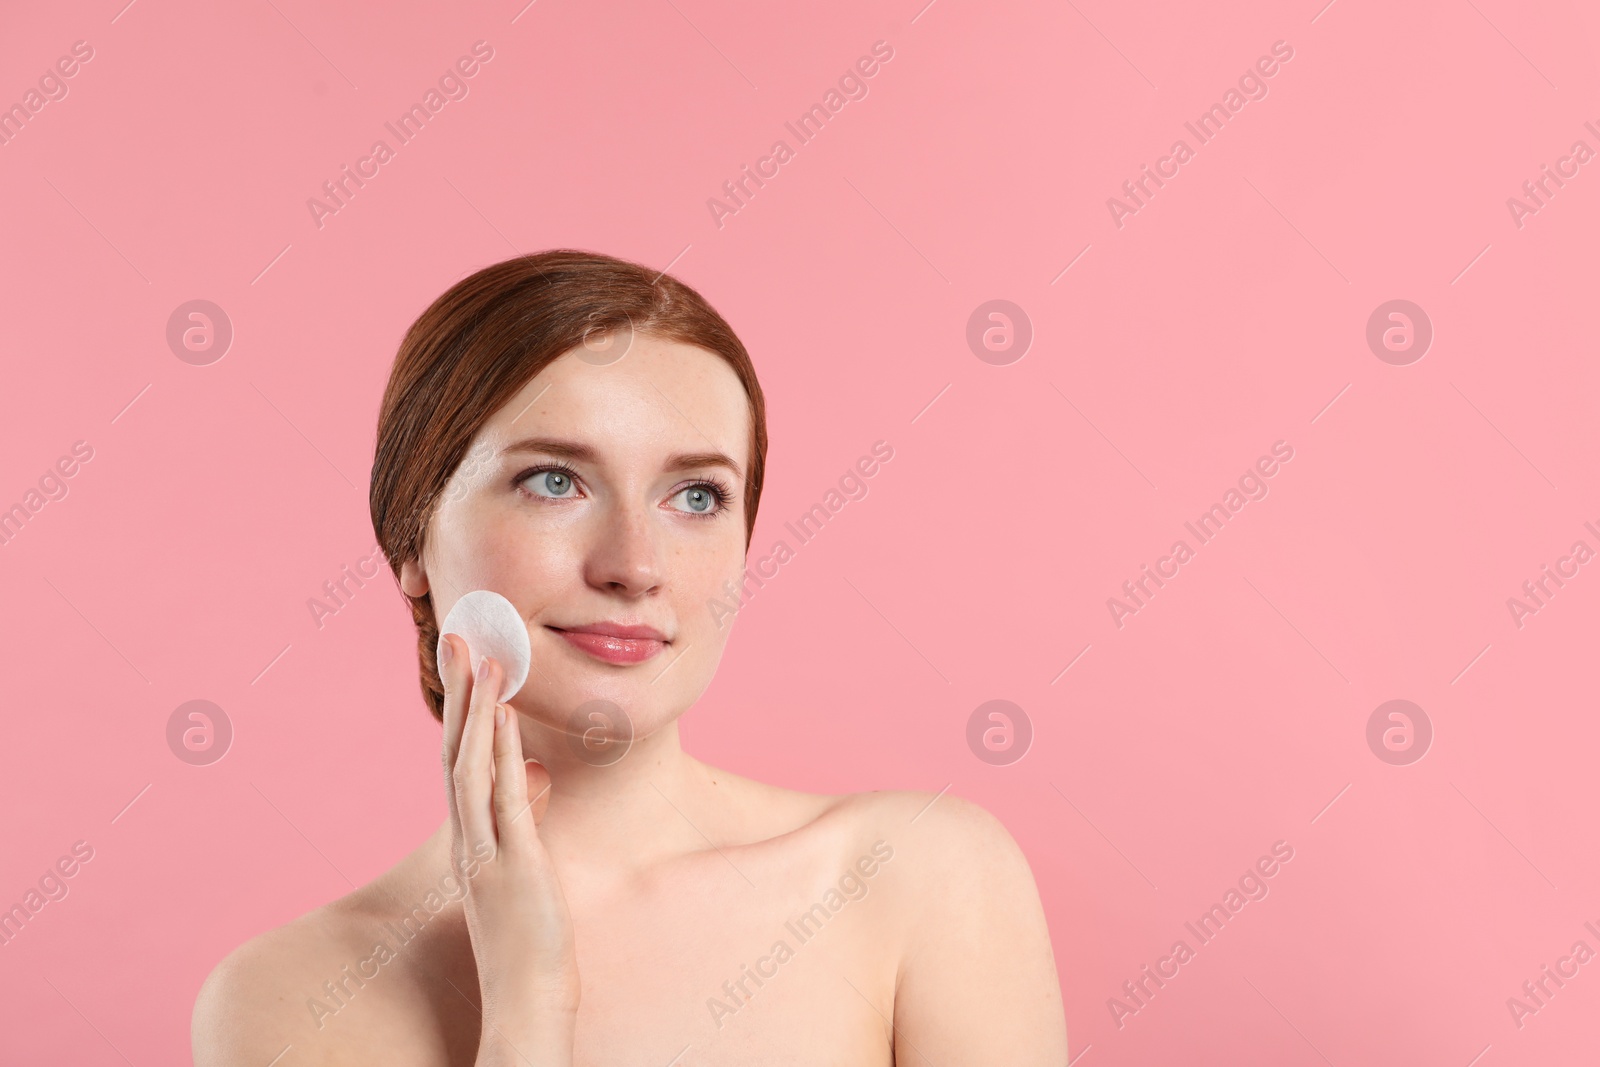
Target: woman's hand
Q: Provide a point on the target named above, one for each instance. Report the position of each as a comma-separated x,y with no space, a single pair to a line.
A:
516,913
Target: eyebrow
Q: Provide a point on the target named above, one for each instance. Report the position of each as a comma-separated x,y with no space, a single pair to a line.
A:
678,461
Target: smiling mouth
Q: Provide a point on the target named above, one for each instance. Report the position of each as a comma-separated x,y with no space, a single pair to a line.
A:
611,648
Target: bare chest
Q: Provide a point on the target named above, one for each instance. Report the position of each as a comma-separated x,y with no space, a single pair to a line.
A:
754,965
740,976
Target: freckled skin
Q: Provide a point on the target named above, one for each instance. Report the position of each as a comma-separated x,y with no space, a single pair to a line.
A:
681,878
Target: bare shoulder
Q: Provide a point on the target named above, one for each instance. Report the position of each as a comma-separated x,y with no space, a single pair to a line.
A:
950,848
957,863
254,1003
954,861
907,814
977,974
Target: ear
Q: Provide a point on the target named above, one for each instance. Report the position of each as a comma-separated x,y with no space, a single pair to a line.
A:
413,580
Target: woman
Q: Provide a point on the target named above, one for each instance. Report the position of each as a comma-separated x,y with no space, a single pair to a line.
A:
587,439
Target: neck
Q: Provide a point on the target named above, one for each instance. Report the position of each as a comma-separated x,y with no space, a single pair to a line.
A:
607,823
617,808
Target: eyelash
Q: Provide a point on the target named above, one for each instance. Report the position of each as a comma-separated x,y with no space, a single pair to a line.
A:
718,488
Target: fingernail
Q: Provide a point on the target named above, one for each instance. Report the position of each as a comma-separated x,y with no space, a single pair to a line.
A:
446,651
483,669
500,715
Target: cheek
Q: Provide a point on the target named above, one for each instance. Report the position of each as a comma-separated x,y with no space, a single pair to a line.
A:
705,566
705,573
707,590
477,549
532,570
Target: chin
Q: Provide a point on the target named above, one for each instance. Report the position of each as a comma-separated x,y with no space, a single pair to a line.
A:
623,708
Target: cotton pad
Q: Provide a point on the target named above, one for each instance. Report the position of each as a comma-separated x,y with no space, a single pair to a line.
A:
491,626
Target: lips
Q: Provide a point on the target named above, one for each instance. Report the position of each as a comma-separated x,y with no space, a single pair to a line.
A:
614,642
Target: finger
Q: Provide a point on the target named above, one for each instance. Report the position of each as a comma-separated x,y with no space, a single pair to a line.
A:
512,825
456,676
475,759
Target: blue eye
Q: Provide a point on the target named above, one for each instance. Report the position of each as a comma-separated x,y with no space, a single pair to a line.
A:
703,498
556,478
557,481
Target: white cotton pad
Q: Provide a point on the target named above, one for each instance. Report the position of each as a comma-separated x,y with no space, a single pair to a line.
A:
491,626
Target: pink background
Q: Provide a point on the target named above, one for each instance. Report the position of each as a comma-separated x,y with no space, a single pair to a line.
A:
1222,317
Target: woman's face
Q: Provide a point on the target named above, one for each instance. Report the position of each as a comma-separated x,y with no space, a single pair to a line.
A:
604,496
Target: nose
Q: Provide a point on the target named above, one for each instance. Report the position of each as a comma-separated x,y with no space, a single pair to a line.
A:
623,557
